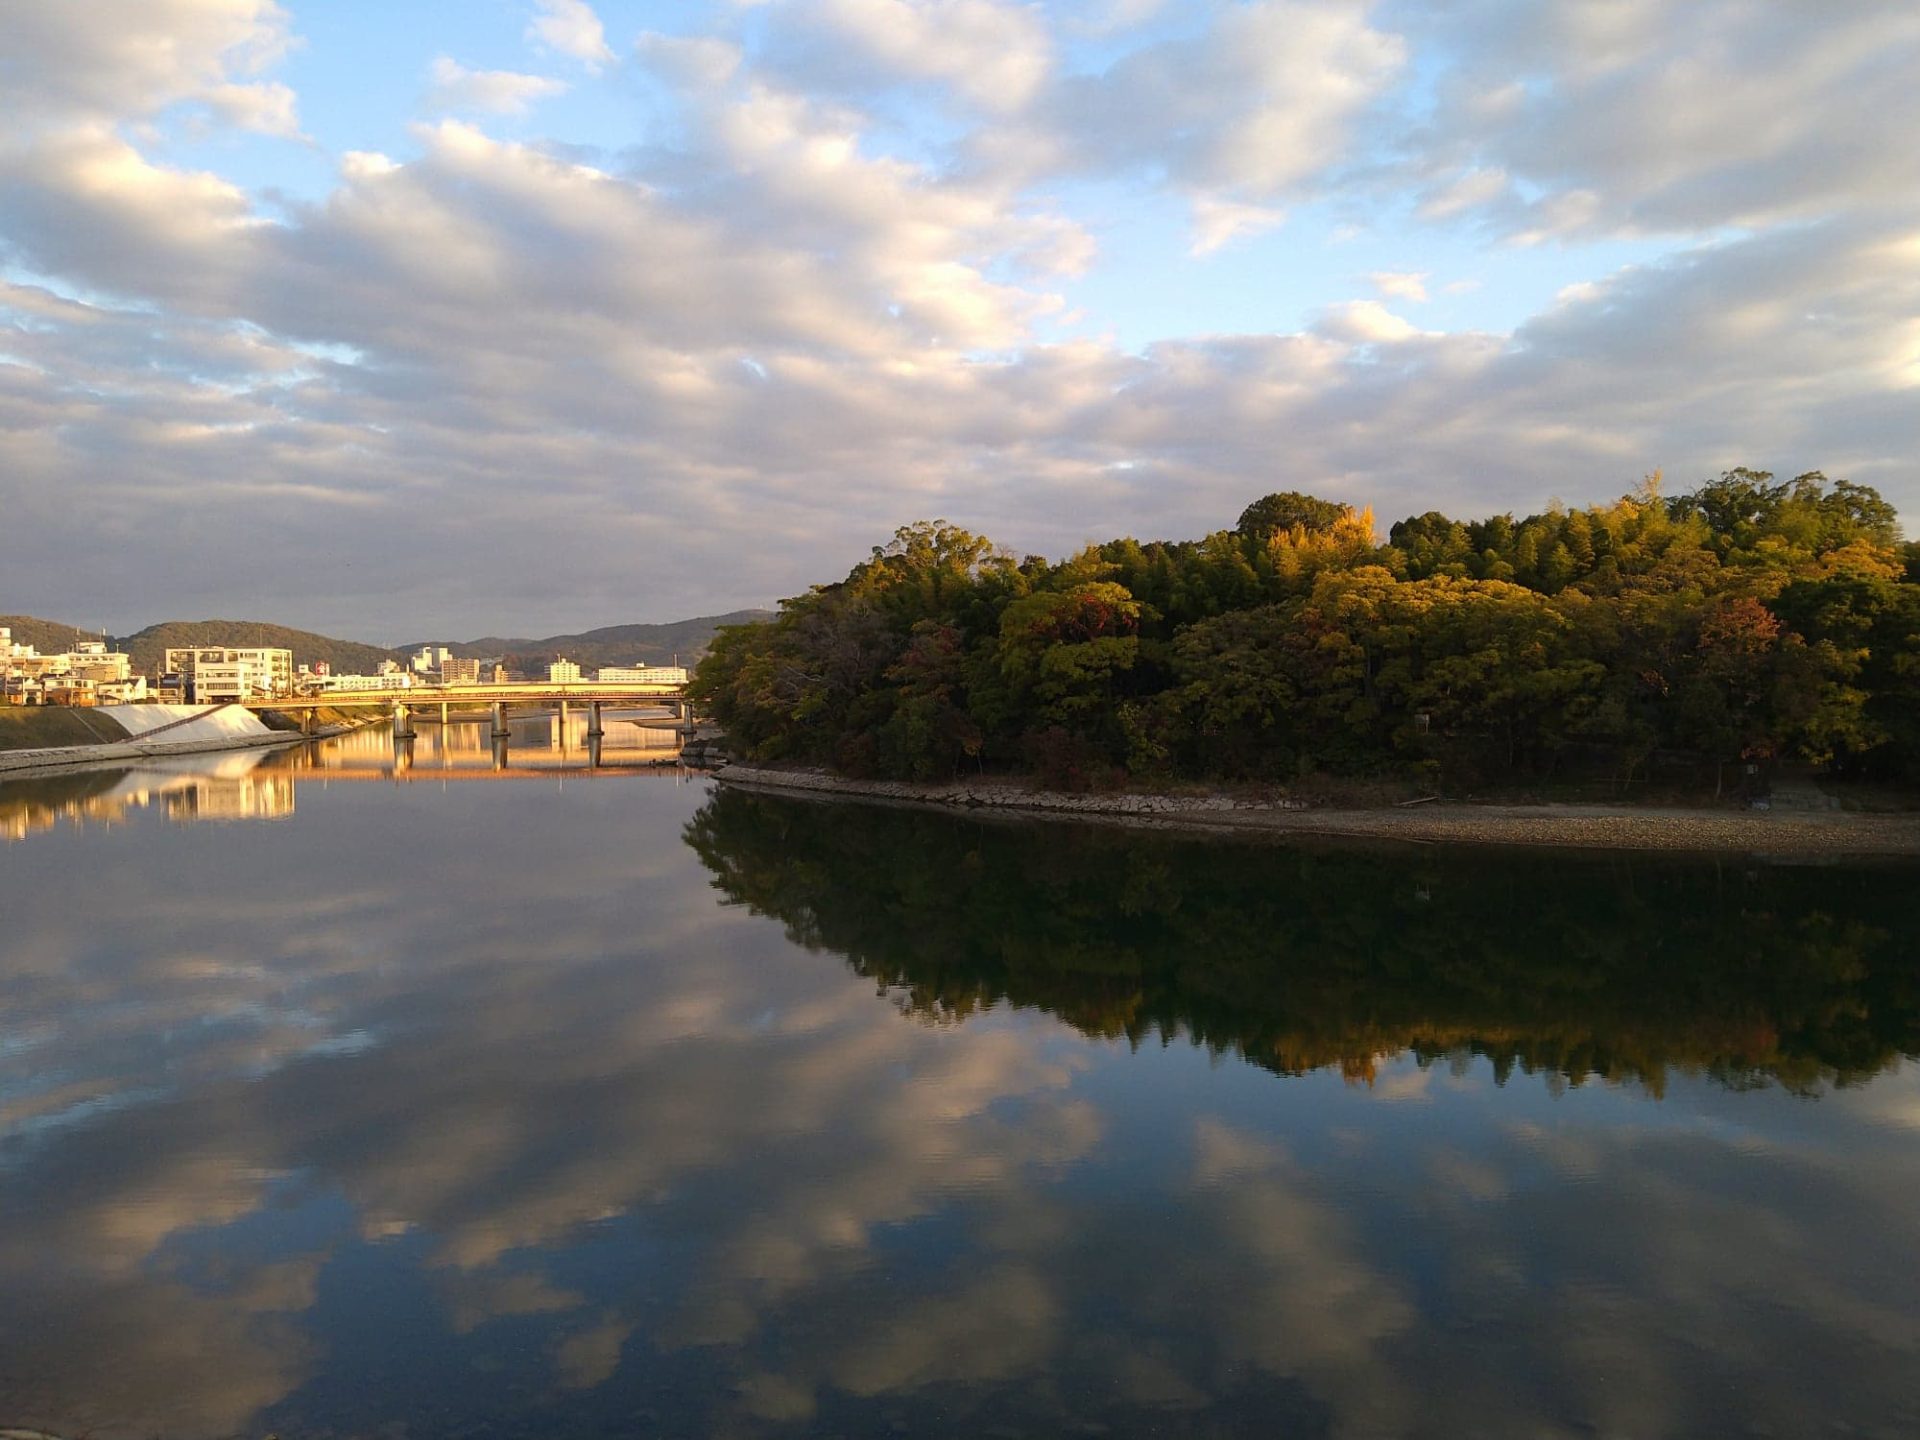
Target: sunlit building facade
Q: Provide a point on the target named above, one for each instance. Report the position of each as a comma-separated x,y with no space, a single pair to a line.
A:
642,674
215,673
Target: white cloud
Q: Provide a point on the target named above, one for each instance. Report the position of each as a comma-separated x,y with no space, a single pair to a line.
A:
496,92
1467,190
1666,116
1218,223
63,63
1365,322
572,28
996,55
1401,284
269,108
691,62
1256,108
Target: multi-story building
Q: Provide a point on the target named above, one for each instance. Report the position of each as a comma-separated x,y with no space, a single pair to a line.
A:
455,671
91,660
330,684
214,673
562,670
429,658
642,674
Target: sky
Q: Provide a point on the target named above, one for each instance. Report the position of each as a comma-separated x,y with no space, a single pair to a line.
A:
527,316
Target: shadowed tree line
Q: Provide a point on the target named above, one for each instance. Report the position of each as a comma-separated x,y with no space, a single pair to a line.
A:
1745,621
1300,959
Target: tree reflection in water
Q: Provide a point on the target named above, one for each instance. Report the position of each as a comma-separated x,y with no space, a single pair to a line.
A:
1304,958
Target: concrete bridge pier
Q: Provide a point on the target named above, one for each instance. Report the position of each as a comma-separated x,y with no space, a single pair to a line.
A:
594,728
402,721
443,714
593,749
402,753
307,721
499,722
500,752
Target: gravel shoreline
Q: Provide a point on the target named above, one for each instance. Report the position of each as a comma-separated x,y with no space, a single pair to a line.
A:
1591,827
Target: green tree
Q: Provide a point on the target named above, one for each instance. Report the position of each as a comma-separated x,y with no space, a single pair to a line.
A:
1290,510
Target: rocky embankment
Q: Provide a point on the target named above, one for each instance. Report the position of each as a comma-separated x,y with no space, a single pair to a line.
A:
1599,827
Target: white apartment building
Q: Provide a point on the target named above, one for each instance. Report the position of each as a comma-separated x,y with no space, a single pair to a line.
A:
91,660
562,670
330,684
213,673
642,674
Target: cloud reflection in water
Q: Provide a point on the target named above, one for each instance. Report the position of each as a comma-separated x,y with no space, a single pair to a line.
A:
464,1106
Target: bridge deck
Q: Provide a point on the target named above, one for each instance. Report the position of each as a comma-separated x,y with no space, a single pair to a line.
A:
523,693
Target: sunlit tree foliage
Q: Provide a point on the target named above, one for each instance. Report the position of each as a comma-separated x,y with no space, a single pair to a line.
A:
1735,625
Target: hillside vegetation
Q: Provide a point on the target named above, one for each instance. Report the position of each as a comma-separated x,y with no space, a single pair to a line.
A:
1743,622
49,637
147,647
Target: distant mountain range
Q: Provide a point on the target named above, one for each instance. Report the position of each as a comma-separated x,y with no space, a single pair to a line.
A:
613,645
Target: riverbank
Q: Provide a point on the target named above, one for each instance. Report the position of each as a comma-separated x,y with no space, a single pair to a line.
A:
145,732
1593,827
23,764
54,727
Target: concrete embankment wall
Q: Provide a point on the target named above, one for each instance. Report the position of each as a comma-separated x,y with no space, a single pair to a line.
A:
156,730
187,722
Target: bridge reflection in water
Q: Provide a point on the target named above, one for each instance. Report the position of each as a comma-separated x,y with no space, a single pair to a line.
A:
573,740
261,784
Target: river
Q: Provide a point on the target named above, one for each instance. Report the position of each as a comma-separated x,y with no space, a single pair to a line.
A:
348,1097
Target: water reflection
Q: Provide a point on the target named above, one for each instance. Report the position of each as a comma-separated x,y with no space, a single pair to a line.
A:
261,784
237,785
469,1109
1306,958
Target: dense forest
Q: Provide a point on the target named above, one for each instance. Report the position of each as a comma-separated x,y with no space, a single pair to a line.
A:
1697,635
1318,957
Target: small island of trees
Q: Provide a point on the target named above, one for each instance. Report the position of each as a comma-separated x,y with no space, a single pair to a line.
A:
1741,623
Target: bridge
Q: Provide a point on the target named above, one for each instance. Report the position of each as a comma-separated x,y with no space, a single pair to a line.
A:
404,702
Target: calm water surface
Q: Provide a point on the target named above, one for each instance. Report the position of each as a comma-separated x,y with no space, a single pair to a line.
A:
341,1098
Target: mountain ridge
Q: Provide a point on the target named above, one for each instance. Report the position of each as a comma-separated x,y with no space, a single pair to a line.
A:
639,643
648,643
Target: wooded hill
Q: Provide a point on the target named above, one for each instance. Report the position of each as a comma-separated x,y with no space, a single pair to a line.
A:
147,647
49,637
1740,623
